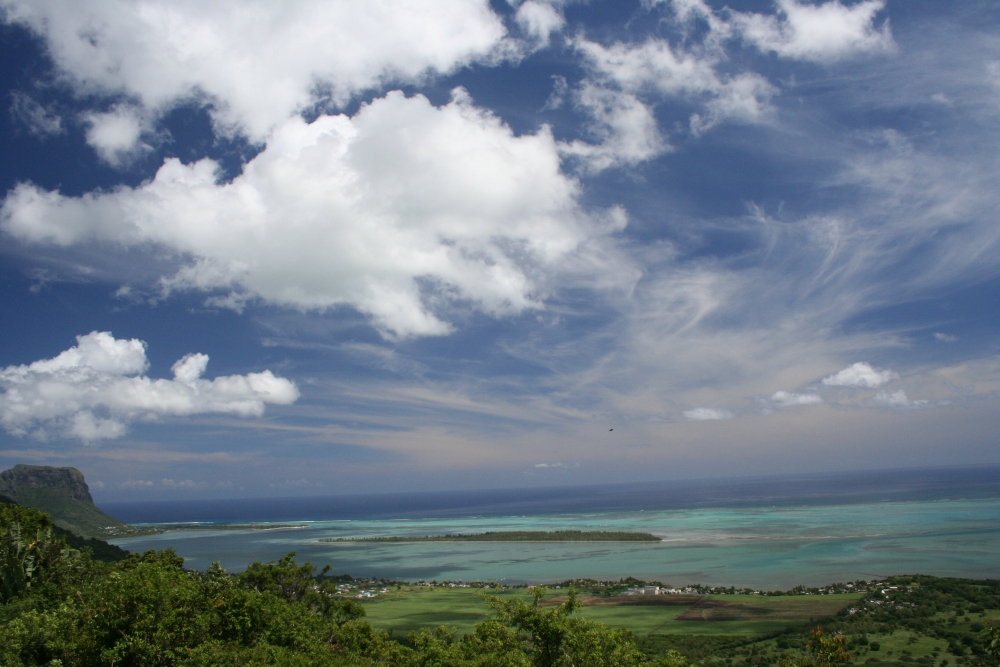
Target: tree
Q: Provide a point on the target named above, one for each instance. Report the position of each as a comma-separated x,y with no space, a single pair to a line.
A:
30,554
991,642
828,651
553,638
298,583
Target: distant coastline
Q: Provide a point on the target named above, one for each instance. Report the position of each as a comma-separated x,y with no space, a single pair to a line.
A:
835,488
769,549
159,529
513,536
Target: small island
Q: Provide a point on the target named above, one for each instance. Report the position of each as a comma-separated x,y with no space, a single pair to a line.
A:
513,536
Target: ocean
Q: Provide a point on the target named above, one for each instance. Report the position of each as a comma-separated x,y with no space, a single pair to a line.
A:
764,533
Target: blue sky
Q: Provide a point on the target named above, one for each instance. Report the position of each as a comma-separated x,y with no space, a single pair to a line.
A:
266,248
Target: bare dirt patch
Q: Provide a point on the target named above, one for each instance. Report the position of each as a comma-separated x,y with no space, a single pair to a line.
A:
797,608
625,600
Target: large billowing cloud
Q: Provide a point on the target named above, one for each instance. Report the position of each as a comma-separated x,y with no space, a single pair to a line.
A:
91,391
406,209
255,62
401,206
395,211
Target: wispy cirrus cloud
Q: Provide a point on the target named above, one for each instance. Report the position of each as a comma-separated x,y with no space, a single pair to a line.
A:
32,115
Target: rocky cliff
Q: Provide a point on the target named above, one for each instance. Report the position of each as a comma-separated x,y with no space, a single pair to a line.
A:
60,492
69,481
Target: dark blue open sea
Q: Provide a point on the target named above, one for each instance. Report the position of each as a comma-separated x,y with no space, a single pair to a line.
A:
768,532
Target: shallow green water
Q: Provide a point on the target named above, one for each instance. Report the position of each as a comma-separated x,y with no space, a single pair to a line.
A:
757,547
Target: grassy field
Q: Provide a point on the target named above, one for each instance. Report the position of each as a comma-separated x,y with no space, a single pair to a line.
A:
745,615
755,614
413,607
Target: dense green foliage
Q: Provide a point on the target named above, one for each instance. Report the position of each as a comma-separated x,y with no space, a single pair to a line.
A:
31,556
905,621
67,609
99,549
514,536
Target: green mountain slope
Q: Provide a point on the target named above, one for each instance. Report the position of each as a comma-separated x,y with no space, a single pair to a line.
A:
100,549
60,492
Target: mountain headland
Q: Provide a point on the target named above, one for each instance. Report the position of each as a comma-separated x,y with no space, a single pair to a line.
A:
63,494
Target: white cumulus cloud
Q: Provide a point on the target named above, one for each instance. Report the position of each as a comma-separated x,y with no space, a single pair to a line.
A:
896,399
256,62
708,414
786,399
391,211
860,374
820,33
94,389
626,80
655,66
624,127
172,484
115,135
539,20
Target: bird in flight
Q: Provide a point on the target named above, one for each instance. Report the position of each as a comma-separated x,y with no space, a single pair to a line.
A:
610,430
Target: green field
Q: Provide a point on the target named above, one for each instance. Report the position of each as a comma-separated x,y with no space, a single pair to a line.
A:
744,615
412,607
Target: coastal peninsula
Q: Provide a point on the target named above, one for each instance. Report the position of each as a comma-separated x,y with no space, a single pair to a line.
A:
514,536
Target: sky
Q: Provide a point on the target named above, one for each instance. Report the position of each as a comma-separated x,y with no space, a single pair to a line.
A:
266,248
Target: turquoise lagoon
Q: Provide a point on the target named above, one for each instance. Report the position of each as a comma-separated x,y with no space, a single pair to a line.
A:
760,547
